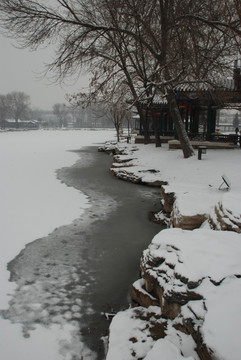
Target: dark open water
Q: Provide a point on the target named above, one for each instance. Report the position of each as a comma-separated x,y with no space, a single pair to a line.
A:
85,269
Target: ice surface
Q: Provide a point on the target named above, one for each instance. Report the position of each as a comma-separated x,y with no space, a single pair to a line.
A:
33,204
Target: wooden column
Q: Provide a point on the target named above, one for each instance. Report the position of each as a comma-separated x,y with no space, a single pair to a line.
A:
209,120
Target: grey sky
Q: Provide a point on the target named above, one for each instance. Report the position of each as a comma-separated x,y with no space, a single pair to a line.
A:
20,70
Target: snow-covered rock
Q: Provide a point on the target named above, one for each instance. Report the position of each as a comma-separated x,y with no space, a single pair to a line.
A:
190,188
139,333
167,350
194,276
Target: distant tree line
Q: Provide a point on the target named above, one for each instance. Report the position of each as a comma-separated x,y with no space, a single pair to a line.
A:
101,113
16,106
91,116
68,116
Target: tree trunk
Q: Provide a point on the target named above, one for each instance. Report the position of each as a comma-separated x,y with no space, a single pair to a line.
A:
156,130
147,139
181,131
143,121
118,133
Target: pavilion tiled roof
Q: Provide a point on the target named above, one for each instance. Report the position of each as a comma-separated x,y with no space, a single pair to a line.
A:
223,85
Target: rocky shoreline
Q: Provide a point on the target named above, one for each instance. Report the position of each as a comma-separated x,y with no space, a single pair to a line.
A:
183,299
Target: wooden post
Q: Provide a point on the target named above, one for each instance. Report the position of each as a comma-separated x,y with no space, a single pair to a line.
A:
209,119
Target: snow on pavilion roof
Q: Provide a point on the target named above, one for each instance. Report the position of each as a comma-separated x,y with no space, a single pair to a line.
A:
226,84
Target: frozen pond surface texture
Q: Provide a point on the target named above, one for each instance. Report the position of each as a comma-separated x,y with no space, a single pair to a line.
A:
69,278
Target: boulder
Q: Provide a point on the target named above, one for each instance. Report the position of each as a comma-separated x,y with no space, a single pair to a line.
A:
168,200
187,222
222,219
125,175
141,296
188,272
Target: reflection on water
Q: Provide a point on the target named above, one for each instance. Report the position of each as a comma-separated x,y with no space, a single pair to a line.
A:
85,269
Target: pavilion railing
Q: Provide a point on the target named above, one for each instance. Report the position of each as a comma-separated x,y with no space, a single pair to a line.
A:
229,138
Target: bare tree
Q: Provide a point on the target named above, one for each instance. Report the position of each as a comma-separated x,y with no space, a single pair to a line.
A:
108,105
61,113
164,31
18,104
186,53
118,113
224,16
3,110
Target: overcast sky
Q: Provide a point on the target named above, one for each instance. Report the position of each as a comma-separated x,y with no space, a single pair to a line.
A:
20,70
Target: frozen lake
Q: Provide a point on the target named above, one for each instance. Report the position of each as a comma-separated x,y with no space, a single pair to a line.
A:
84,242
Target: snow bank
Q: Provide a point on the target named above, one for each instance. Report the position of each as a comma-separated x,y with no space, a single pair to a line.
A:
221,326
167,350
195,183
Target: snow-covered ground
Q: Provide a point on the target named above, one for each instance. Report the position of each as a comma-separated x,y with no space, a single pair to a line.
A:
211,257
33,204
195,182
